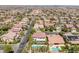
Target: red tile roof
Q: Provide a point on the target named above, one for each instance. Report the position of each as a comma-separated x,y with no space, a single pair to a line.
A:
55,39
69,25
77,25
16,29
39,35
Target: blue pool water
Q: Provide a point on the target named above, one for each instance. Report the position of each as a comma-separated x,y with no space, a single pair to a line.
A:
55,49
36,46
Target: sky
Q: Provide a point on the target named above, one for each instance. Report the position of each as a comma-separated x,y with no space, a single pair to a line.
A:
39,2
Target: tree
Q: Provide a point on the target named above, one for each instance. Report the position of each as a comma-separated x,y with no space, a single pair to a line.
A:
8,49
64,29
22,33
1,32
51,29
19,16
42,29
33,31
74,49
70,49
34,41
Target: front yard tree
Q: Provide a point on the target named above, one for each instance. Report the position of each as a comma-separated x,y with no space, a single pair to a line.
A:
8,49
33,30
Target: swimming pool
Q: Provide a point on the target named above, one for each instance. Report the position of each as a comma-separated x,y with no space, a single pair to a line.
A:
54,49
37,46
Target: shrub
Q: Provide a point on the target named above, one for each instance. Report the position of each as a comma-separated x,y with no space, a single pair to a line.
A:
8,49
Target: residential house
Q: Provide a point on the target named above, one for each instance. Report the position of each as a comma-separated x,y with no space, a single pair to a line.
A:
71,27
39,37
55,42
74,39
49,23
39,25
9,37
77,26
39,42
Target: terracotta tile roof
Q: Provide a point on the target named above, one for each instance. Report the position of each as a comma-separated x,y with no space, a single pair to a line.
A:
55,39
15,29
69,25
18,25
77,25
9,36
39,35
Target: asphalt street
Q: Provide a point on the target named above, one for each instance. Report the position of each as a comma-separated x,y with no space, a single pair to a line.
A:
26,37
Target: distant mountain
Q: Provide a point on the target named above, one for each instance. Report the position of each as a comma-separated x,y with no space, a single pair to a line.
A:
36,6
